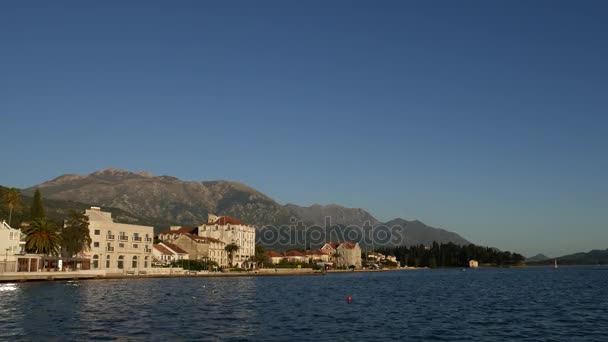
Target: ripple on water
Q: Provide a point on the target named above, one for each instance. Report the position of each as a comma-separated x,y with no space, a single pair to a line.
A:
443,305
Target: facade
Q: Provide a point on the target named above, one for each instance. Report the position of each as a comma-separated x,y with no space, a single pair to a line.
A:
330,249
203,248
118,247
274,257
295,256
12,242
167,253
316,256
344,253
349,254
230,230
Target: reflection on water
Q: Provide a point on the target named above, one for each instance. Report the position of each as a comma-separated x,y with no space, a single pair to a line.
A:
487,304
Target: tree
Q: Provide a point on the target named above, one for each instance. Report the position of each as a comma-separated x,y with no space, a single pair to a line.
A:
75,236
260,255
41,237
37,210
13,199
231,249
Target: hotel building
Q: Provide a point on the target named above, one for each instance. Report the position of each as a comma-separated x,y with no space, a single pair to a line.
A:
118,247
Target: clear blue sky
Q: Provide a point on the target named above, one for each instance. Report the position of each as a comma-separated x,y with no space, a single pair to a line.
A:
488,118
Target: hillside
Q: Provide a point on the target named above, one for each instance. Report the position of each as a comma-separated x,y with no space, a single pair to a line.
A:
166,200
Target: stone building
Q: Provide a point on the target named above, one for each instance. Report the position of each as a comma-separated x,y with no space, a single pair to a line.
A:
344,253
230,230
118,247
203,248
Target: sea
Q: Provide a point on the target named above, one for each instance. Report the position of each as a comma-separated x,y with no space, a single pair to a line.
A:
486,304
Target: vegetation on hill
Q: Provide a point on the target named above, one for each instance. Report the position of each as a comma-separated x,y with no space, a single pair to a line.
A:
594,257
451,255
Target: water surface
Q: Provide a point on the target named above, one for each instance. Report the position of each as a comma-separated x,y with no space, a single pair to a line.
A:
527,304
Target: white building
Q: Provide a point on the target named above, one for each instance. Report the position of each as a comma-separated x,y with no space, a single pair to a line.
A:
167,253
230,230
118,247
12,242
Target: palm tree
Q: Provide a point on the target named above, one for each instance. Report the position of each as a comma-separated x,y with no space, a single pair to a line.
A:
75,236
230,249
13,199
41,237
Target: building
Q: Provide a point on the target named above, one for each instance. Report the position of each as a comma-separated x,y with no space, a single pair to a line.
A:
12,242
203,248
230,230
473,263
316,256
295,256
118,247
167,253
349,254
274,257
175,231
345,254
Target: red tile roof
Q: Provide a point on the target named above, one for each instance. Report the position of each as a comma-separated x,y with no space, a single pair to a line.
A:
162,249
314,252
294,253
272,254
224,220
348,245
175,248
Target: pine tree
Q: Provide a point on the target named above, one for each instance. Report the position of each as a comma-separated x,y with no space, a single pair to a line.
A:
37,210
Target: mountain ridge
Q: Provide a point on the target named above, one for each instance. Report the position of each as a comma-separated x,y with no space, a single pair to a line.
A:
171,200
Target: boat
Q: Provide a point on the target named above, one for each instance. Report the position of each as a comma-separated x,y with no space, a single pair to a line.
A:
555,263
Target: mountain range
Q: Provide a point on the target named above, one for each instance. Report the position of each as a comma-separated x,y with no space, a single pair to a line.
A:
140,197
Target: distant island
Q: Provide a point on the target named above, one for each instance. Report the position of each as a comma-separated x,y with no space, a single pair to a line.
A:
594,257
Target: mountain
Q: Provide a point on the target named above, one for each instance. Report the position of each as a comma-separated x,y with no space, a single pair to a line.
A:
166,200
416,233
316,214
594,257
538,257
57,210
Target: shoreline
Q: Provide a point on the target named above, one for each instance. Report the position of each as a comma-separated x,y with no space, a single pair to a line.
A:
70,276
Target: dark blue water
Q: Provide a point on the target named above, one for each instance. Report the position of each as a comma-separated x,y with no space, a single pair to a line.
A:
532,304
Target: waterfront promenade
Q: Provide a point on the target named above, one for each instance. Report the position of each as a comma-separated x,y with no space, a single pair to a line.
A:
10,277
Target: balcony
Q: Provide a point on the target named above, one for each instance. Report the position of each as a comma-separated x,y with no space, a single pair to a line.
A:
123,238
137,238
148,239
110,237
147,250
109,249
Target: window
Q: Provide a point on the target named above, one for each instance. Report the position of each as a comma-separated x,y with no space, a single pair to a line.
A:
95,244
135,245
121,262
97,232
95,261
107,261
121,245
134,262
146,262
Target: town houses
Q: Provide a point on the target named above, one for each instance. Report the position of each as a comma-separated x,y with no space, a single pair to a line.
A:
130,249
209,240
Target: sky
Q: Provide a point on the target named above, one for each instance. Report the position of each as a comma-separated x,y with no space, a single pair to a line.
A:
487,118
